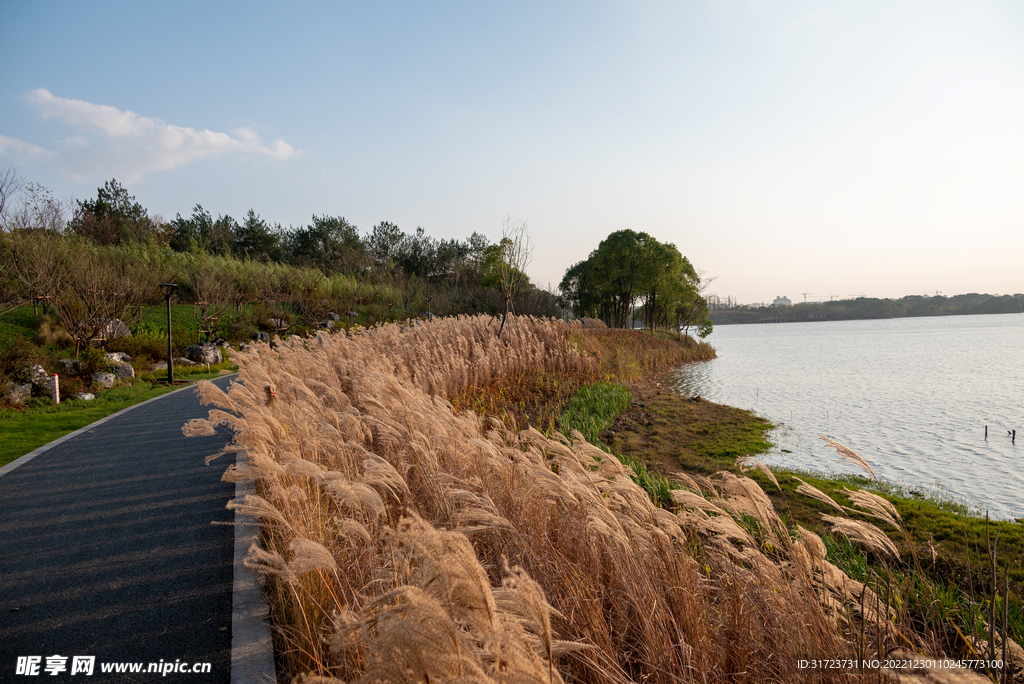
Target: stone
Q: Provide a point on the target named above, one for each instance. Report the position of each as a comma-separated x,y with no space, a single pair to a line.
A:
333,317
124,371
114,329
114,358
104,380
276,323
182,361
352,314
41,380
84,396
19,393
261,336
207,353
70,366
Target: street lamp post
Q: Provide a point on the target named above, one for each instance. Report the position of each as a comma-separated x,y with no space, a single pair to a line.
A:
168,290
428,307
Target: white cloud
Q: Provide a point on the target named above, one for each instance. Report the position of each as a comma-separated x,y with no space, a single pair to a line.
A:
127,145
12,147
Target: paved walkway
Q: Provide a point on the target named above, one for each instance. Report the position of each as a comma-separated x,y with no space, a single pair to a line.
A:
107,549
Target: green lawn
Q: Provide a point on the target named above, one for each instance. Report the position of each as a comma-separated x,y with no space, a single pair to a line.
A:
41,422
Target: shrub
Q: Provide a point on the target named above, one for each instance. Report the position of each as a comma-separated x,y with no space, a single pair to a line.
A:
19,356
52,333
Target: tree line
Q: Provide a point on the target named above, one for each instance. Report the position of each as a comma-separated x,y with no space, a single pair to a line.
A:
862,308
460,276
633,275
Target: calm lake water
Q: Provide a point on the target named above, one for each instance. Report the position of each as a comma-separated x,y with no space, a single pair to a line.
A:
912,396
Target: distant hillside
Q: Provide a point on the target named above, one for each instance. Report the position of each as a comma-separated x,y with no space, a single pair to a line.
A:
868,307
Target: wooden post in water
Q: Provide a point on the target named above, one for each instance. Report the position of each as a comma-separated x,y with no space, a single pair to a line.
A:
986,432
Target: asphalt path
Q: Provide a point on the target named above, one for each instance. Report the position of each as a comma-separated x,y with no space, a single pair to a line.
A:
109,548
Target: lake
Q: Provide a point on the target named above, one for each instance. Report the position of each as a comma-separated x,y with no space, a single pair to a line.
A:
912,396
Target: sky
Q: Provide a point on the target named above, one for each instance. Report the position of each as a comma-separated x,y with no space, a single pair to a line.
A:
835,148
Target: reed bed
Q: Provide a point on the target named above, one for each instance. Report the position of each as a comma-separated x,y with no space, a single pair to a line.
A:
403,541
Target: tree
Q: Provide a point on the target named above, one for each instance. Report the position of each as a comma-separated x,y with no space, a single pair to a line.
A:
255,239
113,218
201,232
382,244
10,185
330,243
515,254
692,309
102,290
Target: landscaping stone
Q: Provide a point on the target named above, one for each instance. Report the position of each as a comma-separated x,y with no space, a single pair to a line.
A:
333,317
205,353
19,393
114,358
124,371
114,328
38,376
104,380
261,336
182,361
84,396
70,366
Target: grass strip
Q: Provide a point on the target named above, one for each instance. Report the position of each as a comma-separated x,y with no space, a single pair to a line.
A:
40,422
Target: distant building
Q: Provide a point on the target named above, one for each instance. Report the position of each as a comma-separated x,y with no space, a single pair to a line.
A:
782,301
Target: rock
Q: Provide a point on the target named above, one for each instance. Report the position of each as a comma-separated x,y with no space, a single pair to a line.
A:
182,361
37,375
205,353
41,380
104,380
70,366
114,358
352,314
114,329
19,393
261,336
124,371
276,323
84,396
333,317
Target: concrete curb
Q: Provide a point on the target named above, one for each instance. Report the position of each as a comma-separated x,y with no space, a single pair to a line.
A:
252,649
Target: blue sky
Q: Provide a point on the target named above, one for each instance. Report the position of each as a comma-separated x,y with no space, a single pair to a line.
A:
836,148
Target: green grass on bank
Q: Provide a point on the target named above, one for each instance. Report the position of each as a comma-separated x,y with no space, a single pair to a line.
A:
40,421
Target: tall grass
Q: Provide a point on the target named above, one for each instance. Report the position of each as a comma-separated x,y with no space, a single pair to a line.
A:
406,542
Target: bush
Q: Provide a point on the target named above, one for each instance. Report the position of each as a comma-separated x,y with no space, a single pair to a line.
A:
91,360
52,333
19,356
142,348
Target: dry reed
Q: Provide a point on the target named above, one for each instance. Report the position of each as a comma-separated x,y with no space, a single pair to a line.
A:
403,541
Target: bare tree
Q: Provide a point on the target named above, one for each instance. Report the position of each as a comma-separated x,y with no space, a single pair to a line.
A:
516,253
213,288
10,185
102,291
36,262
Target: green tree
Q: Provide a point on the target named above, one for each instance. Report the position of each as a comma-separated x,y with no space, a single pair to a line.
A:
257,240
114,218
330,243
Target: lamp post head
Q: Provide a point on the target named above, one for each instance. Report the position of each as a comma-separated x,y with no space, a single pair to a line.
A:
168,289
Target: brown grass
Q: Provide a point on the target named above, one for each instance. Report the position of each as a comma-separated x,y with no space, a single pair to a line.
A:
406,541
